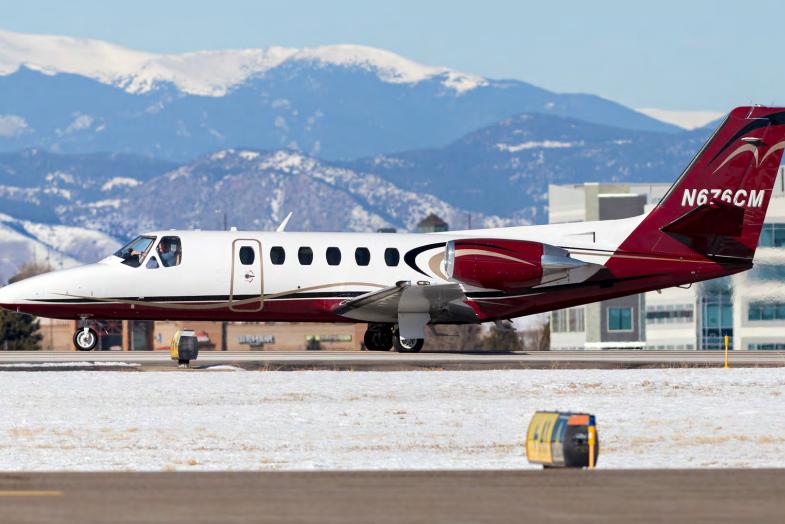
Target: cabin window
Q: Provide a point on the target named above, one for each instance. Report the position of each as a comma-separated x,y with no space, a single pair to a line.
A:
247,255
134,251
333,256
169,251
391,256
152,263
277,255
305,256
362,256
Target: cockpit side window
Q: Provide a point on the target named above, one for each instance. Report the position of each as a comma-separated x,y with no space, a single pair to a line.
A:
152,263
170,251
133,253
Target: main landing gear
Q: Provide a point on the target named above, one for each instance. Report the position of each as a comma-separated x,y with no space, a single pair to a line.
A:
85,339
378,337
383,337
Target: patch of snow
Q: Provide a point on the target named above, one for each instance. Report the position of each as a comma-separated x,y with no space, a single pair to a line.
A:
545,144
683,119
79,123
287,161
64,193
223,367
119,181
206,73
111,202
316,420
60,175
12,125
95,364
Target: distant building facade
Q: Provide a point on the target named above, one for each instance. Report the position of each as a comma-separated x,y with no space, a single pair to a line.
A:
136,335
749,308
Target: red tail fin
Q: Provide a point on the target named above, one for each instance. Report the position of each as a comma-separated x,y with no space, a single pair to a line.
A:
717,207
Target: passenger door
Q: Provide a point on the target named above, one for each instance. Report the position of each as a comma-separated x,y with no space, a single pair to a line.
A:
246,285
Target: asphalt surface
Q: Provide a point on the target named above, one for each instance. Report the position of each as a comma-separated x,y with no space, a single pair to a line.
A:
620,496
369,360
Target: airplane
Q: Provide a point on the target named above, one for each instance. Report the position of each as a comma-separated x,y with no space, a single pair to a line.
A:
706,226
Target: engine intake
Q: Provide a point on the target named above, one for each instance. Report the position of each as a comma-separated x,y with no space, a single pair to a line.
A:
510,265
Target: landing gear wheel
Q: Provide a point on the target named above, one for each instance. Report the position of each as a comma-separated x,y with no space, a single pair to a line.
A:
407,345
378,338
85,339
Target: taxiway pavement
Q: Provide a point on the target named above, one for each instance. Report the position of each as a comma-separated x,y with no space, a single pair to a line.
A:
369,360
598,496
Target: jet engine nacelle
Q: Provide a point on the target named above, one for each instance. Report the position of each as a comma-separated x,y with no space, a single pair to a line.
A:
510,265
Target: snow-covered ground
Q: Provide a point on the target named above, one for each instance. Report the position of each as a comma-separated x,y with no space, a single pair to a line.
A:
105,420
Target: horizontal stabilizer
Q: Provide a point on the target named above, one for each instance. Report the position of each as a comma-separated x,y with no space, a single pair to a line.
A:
715,218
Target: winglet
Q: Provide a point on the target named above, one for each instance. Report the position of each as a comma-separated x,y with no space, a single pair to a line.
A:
281,227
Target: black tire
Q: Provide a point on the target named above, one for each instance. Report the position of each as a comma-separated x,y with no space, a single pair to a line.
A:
378,339
85,341
410,345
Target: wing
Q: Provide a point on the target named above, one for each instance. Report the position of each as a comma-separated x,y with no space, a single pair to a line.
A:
412,307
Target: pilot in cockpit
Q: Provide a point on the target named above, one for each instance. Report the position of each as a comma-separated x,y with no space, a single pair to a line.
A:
167,253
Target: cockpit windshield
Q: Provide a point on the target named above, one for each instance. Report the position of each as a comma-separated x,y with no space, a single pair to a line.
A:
134,251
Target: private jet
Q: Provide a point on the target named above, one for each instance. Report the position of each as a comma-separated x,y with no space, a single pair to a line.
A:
706,226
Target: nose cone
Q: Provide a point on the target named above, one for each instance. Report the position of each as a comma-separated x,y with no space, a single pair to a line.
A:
19,293
46,288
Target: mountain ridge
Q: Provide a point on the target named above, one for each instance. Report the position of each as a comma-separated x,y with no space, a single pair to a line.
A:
335,102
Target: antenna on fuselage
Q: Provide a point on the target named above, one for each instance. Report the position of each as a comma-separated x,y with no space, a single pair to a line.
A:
280,228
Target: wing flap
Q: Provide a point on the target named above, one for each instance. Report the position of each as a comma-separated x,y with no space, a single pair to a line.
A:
441,302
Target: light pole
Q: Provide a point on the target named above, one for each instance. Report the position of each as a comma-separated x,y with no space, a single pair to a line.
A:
224,324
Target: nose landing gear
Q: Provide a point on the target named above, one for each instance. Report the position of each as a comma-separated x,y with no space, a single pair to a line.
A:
85,339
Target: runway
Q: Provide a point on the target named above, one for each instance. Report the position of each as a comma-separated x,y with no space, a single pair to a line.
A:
369,360
599,496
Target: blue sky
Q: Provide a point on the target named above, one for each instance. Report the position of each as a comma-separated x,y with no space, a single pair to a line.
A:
667,54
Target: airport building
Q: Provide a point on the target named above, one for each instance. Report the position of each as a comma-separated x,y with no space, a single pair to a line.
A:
135,335
749,308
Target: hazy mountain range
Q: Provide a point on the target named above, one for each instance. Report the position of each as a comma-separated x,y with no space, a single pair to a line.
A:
98,137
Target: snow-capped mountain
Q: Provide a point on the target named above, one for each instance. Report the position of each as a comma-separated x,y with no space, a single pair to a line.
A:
34,184
505,168
58,246
345,101
205,73
257,190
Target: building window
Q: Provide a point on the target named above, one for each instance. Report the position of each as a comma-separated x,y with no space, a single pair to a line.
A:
619,319
568,320
362,256
576,323
772,235
305,256
715,314
772,346
391,256
247,255
768,272
277,255
333,255
669,313
766,311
